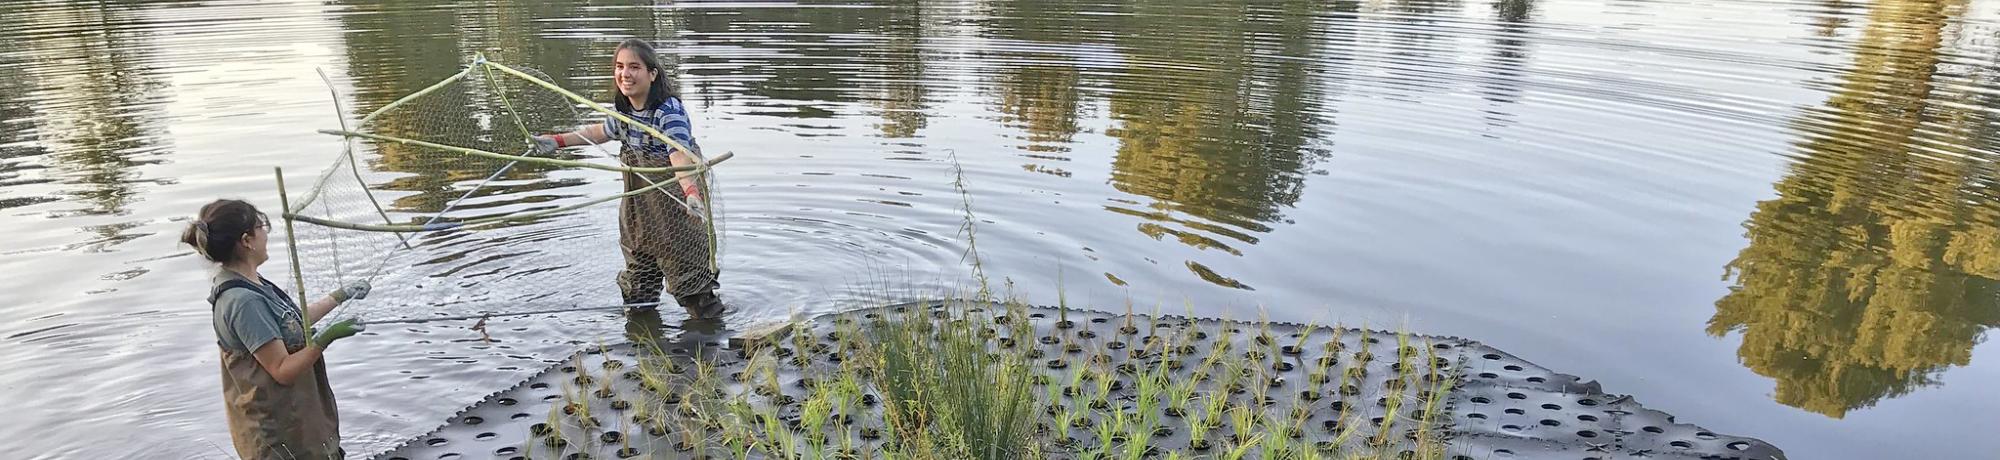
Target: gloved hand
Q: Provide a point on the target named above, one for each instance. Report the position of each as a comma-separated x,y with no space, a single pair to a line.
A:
340,330
546,143
695,205
697,209
355,290
690,190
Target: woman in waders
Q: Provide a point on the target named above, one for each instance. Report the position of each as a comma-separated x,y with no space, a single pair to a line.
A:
273,381
664,240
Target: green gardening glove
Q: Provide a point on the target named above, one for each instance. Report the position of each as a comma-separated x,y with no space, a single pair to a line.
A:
340,330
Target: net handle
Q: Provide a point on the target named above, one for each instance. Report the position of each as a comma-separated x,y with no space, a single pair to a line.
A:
698,169
593,106
503,156
291,242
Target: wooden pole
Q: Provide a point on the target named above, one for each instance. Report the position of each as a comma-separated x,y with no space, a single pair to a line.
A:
488,220
420,93
502,156
291,242
593,106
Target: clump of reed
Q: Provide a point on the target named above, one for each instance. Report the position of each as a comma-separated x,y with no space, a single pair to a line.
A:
980,380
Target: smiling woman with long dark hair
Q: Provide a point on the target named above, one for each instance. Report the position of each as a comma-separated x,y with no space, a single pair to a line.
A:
663,239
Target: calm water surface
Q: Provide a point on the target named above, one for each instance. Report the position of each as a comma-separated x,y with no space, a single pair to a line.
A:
1774,218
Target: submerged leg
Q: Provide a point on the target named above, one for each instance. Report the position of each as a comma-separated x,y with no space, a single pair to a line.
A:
689,278
641,280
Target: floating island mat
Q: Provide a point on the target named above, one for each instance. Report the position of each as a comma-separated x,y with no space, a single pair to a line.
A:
1314,384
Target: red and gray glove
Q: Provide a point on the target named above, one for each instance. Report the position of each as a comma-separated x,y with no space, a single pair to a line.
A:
548,143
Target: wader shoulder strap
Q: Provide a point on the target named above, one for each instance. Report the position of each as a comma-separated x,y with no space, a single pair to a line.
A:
225,287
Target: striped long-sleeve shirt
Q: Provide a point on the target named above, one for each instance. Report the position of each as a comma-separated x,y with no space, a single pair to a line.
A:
669,117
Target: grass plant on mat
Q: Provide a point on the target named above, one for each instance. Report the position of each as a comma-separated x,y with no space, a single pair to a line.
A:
998,380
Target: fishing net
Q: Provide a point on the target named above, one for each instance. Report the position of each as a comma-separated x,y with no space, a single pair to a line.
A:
440,200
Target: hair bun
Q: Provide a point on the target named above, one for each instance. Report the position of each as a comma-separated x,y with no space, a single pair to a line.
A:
192,235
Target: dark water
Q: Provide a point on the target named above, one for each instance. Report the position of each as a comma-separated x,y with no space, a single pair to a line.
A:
1773,218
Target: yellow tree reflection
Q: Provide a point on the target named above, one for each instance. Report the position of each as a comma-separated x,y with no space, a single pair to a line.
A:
98,118
1210,128
1875,267
903,108
399,49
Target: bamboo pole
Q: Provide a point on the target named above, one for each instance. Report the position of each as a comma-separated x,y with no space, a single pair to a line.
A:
702,168
502,156
399,102
344,225
593,106
291,242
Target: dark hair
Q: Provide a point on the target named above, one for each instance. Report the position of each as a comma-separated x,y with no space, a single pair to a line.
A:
220,228
655,94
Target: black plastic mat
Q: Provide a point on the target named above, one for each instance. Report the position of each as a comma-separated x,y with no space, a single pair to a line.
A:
1498,405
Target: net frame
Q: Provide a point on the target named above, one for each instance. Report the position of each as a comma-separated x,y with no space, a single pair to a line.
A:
492,73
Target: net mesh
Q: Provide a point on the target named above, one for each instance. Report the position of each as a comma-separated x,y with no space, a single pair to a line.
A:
440,201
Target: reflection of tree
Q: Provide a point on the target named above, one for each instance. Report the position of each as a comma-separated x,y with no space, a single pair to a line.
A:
398,49
1229,143
831,53
1876,266
1043,100
97,116
1422,22
1038,91
1510,56
902,102
819,59
16,140
1835,18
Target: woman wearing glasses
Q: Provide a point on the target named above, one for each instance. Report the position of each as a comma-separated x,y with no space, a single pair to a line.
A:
273,380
